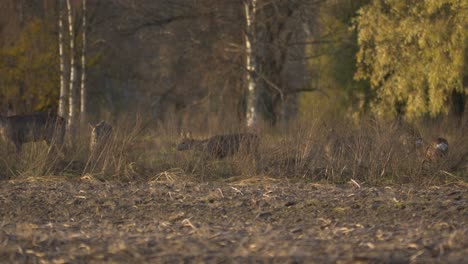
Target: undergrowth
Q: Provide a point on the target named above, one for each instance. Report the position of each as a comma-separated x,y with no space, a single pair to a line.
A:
369,152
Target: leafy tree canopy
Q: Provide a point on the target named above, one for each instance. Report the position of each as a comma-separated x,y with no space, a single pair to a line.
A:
29,69
412,54
332,62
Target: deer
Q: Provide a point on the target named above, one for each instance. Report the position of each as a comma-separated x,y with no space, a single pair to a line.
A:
100,135
20,129
431,151
436,150
222,146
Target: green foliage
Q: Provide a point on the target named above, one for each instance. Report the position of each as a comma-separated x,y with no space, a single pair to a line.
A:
412,54
332,61
29,74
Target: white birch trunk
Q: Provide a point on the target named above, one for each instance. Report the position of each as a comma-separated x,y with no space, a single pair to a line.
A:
72,91
83,70
63,88
251,64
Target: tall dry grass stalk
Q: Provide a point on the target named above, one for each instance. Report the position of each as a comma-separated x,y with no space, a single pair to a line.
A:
117,156
334,151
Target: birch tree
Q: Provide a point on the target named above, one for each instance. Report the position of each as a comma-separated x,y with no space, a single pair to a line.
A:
72,104
83,69
63,88
250,64
270,28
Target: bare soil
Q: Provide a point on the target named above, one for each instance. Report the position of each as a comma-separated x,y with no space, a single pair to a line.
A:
260,221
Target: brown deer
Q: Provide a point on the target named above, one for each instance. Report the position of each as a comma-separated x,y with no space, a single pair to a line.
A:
334,148
436,150
100,135
20,129
221,146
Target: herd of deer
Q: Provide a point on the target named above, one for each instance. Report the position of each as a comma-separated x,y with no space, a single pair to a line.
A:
51,128
431,151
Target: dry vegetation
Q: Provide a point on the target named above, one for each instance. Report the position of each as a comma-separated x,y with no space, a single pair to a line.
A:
369,152
317,192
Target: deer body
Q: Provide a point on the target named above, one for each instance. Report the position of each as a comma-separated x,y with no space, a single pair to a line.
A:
437,149
21,129
100,135
221,146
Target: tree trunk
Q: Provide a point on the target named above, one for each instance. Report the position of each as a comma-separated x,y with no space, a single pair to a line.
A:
72,92
288,109
251,64
271,94
269,40
83,70
458,101
63,88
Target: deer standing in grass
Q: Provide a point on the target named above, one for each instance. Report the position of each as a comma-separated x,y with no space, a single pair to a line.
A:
20,129
100,135
436,150
221,146
412,141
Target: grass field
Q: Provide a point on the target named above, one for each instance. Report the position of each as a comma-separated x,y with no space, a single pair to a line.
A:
369,152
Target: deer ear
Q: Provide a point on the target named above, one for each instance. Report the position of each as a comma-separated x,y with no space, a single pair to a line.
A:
91,125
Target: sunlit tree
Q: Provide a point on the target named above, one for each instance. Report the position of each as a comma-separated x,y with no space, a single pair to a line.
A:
413,54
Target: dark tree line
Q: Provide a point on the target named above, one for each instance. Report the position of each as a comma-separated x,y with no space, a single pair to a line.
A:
196,59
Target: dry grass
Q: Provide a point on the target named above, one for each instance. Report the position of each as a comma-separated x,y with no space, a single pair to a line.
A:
335,151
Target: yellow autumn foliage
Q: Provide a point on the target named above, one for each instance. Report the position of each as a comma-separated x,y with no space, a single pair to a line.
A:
414,55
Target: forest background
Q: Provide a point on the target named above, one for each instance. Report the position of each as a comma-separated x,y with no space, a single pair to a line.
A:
185,60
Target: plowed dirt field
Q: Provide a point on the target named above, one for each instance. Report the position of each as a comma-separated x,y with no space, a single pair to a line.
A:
259,221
